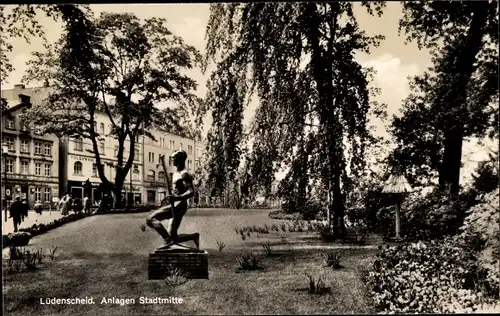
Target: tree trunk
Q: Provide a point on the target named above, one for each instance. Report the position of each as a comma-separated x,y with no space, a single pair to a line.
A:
117,191
463,68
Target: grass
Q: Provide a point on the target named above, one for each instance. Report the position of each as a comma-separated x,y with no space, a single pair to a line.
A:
96,268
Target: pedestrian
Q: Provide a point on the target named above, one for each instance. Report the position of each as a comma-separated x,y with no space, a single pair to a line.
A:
86,204
38,207
25,208
77,205
16,211
63,206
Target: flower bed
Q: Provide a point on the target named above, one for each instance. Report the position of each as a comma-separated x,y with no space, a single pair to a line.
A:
18,239
429,277
139,209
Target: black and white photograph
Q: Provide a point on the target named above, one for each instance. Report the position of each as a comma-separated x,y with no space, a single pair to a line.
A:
250,158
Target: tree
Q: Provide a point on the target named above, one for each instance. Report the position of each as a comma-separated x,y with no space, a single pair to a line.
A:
298,59
123,68
452,101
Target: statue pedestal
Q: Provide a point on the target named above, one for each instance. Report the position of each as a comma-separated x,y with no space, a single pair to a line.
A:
191,261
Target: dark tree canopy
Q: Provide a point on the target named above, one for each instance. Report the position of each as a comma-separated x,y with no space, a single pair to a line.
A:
308,114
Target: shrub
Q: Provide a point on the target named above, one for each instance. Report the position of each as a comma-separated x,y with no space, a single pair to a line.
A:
175,276
326,233
315,285
249,262
267,248
52,253
424,216
425,277
221,245
29,260
481,233
332,260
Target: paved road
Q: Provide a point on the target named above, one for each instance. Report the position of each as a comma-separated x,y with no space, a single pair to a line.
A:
33,218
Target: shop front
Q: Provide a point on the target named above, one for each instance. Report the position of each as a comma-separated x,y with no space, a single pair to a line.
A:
30,191
81,189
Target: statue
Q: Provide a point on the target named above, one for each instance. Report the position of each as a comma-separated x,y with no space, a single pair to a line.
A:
180,192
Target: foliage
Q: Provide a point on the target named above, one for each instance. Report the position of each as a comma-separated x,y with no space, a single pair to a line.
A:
122,67
428,277
307,113
316,285
268,249
248,262
52,253
221,245
455,99
424,216
332,260
175,276
480,233
486,175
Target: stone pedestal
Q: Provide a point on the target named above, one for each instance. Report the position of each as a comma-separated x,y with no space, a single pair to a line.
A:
191,261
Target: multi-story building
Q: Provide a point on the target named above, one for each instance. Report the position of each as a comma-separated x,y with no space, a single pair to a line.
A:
73,165
78,168
165,144
30,159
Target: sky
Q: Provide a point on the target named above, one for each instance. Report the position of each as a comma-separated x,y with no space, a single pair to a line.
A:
394,60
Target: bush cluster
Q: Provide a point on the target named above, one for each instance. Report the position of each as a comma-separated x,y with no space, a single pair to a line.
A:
425,216
481,234
428,277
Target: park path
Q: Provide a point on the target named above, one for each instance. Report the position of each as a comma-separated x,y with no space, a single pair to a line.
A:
121,233
33,218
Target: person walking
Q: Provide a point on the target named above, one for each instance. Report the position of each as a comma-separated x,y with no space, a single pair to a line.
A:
24,210
63,206
86,204
16,212
38,207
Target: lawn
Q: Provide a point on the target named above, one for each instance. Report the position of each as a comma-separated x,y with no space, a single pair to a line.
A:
106,256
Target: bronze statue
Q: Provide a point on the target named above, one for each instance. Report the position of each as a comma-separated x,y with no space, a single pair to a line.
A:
180,192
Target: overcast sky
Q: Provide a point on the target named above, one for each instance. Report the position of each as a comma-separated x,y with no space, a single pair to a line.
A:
393,60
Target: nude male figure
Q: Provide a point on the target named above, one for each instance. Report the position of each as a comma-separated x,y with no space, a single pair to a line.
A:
182,190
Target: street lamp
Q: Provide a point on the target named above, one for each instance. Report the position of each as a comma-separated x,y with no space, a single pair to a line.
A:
5,150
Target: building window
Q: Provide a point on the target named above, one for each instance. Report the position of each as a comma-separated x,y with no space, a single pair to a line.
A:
77,168
79,144
38,194
190,164
48,170
38,169
25,146
151,175
101,130
38,131
151,157
161,176
190,149
47,196
10,123
47,149
136,154
94,170
24,126
136,173
38,148
197,163
24,166
102,147
11,143
10,166
171,144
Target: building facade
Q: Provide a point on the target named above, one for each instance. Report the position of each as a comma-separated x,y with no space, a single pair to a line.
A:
78,168
30,161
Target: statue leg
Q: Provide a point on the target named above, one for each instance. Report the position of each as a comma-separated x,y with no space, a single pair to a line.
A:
173,229
154,221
